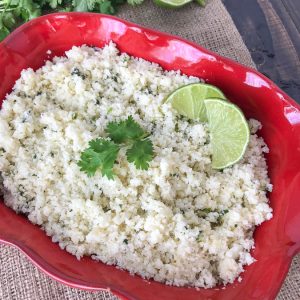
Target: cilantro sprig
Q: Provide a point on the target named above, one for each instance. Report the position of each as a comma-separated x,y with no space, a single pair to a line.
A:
140,153
124,131
15,12
102,153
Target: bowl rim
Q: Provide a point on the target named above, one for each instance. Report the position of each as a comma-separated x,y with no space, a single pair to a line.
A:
14,34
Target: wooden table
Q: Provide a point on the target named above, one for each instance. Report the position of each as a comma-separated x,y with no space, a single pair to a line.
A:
271,31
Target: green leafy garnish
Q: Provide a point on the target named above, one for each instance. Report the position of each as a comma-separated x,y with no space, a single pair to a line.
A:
102,153
107,7
134,2
141,153
84,5
15,12
124,131
53,3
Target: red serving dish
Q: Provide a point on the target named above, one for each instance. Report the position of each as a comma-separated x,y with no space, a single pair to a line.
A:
277,241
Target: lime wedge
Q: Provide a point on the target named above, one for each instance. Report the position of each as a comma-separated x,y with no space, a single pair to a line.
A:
229,132
188,100
171,3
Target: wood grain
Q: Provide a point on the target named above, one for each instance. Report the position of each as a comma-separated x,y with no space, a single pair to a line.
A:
271,31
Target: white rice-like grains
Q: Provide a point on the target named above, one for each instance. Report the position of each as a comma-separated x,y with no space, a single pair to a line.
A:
179,222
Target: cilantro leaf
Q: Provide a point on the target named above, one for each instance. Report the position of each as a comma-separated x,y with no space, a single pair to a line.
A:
102,155
141,153
4,31
124,131
9,20
28,10
84,5
89,162
106,7
54,3
116,2
135,2
13,12
80,5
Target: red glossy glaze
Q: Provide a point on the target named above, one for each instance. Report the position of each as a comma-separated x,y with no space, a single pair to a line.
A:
276,241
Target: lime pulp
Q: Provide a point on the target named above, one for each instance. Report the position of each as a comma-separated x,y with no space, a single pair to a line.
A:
229,132
189,100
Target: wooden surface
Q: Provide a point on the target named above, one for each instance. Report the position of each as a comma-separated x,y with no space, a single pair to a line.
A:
271,31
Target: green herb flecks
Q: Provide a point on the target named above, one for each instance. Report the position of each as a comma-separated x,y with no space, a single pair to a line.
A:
203,213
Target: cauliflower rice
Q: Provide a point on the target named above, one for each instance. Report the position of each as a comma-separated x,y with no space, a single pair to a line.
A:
180,222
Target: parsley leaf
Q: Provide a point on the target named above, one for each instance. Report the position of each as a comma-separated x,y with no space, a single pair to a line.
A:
140,153
124,131
102,155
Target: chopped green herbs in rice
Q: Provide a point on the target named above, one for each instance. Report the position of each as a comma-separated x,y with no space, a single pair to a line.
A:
179,222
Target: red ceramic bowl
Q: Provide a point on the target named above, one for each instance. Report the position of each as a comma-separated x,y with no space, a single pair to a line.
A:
277,241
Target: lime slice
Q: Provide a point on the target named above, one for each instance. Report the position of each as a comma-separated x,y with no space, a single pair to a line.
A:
229,132
188,100
171,3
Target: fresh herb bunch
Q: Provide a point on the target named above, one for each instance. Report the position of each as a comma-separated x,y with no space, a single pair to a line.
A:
102,153
14,12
